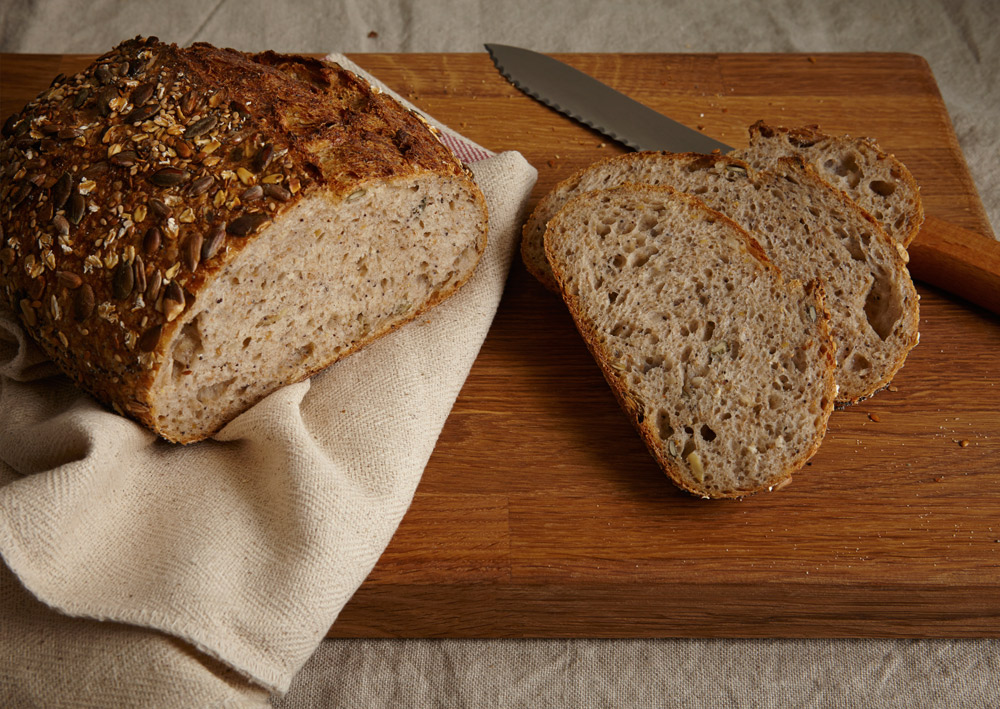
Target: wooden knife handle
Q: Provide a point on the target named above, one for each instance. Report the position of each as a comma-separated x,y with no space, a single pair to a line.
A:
962,262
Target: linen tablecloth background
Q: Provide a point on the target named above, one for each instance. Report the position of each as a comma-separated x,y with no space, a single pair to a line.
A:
961,43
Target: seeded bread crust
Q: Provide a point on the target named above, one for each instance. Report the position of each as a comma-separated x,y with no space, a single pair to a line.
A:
129,187
726,371
878,182
808,229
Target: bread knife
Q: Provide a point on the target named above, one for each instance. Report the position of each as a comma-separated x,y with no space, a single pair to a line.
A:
597,105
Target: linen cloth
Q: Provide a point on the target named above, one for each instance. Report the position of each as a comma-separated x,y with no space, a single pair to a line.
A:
245,546
960,42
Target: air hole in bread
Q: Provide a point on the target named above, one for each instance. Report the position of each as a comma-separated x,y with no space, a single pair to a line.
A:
305,352
640,258
707,434
213,392
647,222
849,169
853,243
621,330
187,346
882,187
689,444
267,320
663,427
859,363
652,362
800,360
709,329
618,261
883,307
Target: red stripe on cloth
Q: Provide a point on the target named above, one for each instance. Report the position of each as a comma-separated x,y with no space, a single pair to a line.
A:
466,152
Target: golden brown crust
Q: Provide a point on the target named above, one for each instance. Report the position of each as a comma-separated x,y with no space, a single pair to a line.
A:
126,187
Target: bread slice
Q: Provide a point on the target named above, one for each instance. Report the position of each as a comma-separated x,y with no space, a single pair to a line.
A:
725,369
187,230
879,183
809,230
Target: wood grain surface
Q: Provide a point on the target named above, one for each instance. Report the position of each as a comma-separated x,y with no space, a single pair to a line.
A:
540,512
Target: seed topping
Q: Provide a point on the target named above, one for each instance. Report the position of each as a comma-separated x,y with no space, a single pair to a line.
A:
201,127
247,224
168,177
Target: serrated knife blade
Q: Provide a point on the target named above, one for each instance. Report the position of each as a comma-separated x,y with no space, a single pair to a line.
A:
595,104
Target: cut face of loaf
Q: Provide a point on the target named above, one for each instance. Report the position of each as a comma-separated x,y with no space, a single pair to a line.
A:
725,369
326,278
809,231
185,230
876,181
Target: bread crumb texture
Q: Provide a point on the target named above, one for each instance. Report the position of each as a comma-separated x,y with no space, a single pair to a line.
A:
725,369
808,229
876,181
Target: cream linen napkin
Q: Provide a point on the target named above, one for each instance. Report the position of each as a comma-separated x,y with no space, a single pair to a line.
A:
232,557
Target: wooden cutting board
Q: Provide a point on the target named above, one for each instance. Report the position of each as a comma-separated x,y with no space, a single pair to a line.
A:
540,512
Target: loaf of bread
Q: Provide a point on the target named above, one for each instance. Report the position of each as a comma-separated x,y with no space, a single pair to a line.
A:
186,230
809,230
726,370
879,183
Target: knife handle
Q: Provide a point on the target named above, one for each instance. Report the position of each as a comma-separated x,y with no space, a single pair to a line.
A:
958,260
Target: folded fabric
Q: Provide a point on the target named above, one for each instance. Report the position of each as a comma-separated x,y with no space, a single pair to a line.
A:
246,546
